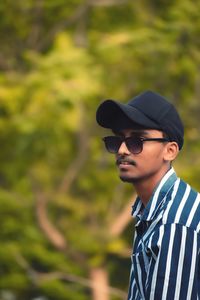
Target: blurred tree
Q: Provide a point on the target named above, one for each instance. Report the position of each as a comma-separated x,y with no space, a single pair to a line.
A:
64,212
49,150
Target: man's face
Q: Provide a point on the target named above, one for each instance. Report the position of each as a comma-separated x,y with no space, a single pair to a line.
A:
147,164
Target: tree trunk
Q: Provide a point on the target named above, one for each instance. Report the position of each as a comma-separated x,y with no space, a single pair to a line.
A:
100,285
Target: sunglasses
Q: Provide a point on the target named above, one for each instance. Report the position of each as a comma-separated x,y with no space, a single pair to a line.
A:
133,144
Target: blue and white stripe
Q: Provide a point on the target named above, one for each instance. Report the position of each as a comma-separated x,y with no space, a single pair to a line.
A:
166,251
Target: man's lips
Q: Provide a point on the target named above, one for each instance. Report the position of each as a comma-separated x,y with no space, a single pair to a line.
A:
125,161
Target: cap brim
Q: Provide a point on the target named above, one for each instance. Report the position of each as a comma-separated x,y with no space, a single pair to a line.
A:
110,111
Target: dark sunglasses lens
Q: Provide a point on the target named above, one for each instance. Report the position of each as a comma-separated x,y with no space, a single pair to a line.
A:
112,143
134,145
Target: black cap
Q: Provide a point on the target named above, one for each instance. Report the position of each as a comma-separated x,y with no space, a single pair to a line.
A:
149,110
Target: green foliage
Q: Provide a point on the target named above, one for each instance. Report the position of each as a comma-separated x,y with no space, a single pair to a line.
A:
57,63
56,290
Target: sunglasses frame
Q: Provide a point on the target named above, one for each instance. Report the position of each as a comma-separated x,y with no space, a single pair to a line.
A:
127,140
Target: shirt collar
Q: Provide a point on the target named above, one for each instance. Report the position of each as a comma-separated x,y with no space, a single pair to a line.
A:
147,213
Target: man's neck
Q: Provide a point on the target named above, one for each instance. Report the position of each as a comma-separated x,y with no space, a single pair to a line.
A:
145,187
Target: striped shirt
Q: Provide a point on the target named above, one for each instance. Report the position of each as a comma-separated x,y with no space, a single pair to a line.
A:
166,251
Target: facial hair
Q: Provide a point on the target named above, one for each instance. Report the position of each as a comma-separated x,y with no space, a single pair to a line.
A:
124,159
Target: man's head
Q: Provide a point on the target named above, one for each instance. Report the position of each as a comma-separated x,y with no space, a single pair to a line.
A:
148,134
149,110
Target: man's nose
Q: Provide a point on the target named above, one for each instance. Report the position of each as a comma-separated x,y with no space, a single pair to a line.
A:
123,149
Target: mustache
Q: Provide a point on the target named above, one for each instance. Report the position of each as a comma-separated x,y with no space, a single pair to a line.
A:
121,159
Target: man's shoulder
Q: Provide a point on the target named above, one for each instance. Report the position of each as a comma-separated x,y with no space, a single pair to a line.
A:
183,206
185,190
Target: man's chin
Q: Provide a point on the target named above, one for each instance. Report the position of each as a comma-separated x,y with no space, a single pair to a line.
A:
125,178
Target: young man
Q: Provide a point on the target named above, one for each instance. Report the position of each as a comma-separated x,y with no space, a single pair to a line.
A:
148,135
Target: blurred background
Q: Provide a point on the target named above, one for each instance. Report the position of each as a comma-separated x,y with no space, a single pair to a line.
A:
66,231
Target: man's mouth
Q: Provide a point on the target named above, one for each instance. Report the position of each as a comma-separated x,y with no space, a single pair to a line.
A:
125,162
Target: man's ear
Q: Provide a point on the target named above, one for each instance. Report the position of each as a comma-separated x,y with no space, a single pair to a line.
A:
171,151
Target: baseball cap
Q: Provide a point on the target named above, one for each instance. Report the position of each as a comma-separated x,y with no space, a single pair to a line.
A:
148,109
